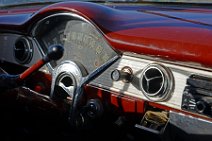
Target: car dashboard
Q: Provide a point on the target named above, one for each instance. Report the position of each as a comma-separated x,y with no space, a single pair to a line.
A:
143,68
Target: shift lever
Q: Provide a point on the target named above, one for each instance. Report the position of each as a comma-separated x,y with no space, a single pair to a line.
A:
25,96
55,52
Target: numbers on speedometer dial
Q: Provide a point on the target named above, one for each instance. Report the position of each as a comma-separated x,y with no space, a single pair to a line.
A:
82,43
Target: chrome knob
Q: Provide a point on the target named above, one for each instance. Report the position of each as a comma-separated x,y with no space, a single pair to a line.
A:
125,74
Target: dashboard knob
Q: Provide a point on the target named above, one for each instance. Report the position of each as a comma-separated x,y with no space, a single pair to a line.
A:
94,108
125,74
55,52
200,106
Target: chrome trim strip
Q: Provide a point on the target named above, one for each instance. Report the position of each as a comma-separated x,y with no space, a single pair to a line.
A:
191,125
180,75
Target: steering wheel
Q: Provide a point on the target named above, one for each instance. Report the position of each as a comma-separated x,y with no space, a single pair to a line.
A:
68,81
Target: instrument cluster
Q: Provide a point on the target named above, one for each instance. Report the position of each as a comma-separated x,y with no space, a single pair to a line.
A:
83,43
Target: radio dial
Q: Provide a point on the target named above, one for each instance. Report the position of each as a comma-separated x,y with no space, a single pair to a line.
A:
200,106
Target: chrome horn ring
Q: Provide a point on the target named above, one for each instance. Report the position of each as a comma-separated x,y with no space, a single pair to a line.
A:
67,82
81,77
67,76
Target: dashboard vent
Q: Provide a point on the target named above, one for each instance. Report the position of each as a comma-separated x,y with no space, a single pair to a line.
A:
156,82
23,50
153,81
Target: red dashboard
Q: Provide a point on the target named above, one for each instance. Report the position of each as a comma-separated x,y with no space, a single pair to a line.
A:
145,68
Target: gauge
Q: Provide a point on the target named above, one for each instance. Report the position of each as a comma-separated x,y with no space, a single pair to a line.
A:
82,43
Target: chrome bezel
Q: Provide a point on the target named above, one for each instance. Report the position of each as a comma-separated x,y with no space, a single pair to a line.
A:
28,48
165,91
71,15
69,68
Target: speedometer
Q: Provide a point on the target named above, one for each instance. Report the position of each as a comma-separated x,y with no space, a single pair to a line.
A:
82,42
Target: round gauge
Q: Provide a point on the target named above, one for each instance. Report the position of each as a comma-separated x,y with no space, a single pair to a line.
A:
82,43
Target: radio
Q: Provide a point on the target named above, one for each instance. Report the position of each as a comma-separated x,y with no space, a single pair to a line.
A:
197,95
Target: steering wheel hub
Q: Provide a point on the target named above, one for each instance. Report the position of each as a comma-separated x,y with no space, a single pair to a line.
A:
66,78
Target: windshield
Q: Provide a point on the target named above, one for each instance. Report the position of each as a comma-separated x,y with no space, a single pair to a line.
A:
15,2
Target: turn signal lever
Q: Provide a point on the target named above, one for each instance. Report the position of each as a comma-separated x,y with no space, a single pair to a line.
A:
55,52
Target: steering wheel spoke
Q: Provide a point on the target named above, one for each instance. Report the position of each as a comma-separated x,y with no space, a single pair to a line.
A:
71,77
68,89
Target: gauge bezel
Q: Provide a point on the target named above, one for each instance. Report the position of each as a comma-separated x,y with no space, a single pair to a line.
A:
166,89
23,43
68,16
